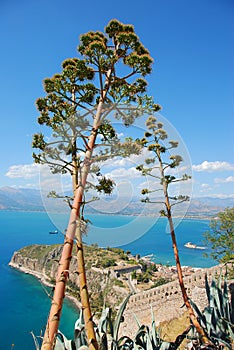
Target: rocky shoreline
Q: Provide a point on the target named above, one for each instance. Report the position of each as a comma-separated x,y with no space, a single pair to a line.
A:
42,261
44,280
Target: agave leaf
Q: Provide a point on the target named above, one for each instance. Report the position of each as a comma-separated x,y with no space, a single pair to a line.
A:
227,304
140,337
153,329
227,311
213,294
79,334
218,298
222,301
222,342
80,339
79,325
217,309
137,347
62,343
125,342
104,320
137,321
199,313
207,288
149,343
230,331
119,318
103,343
181,337
217,314
219,284
101,329
165,346
225,289
207,313
35,341
59,345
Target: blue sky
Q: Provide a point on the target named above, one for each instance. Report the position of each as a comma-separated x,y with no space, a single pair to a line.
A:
193,75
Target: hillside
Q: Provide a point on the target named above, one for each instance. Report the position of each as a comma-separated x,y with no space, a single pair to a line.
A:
106,288
111,272
42,262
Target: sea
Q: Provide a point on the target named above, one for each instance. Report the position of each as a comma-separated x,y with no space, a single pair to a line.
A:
25,302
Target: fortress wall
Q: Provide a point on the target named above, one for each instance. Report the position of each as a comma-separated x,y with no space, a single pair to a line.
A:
166,301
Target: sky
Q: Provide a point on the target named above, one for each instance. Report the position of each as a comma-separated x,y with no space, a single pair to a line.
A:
192,79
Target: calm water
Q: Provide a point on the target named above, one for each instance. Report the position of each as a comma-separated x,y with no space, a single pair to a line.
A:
24,302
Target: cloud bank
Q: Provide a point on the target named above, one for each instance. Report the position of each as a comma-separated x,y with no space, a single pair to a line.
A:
213,166
25,171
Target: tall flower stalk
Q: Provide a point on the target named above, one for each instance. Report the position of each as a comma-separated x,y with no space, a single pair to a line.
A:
76,108
162,162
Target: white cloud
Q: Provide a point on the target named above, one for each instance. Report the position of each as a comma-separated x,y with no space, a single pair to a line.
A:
221,195
205,186
134,159
33,186
226,180
121,173
213,166
24,171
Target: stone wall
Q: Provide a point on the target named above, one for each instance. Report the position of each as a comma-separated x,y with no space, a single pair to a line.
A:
166,301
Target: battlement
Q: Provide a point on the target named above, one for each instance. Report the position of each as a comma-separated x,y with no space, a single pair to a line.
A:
166,301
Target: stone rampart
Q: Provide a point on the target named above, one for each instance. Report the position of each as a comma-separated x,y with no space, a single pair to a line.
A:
166,301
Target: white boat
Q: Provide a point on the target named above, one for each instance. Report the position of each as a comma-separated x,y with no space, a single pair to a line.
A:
193,246
53,232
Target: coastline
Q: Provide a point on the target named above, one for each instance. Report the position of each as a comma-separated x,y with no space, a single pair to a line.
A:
44,280
182,217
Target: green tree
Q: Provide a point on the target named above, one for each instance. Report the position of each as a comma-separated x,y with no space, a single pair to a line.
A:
220,238
159,166
77,103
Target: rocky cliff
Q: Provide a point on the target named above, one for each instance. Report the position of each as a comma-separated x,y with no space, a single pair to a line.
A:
42,262
165,301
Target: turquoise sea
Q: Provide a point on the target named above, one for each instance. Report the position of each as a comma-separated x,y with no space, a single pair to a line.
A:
24,301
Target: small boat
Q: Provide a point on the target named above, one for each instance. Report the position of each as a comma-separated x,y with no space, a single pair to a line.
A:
193,246
147,257
53,232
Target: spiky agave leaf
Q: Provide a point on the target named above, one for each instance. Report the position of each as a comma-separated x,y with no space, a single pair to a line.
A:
36,343
216,317
125,343
155,334
119,318
80,338
137,321
62,343
102,329
141,337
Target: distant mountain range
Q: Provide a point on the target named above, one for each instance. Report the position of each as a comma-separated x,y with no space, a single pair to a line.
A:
23,199
20,199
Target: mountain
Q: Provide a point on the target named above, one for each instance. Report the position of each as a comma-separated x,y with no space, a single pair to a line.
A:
25,199
33,200
20,199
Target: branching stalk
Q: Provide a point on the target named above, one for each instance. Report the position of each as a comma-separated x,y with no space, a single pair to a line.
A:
188,305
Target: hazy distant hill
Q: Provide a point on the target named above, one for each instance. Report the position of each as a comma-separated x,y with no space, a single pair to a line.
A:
20,199
30,200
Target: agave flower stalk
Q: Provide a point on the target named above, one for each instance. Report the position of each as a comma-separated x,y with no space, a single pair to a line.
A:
89,85
155,142
64,264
